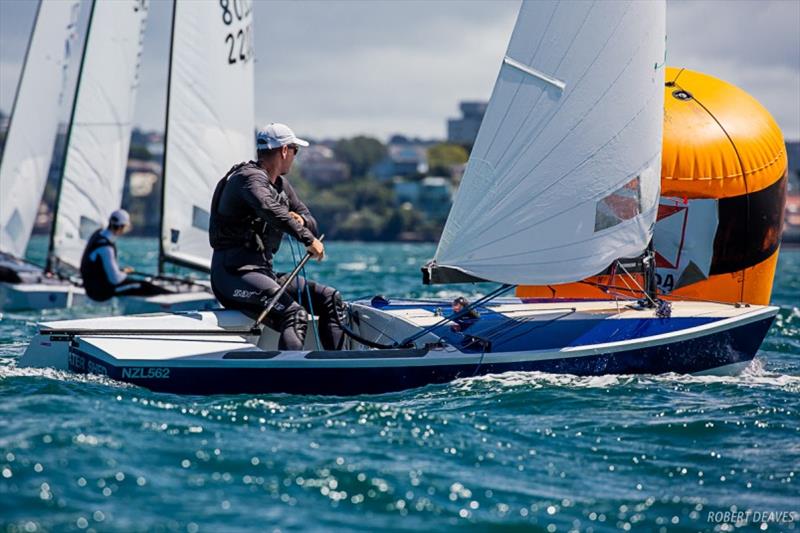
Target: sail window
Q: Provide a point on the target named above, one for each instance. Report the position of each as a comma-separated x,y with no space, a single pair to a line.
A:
87,226
200,218
623,204
15,225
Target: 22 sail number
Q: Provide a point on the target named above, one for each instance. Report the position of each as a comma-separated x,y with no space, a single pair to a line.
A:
239,42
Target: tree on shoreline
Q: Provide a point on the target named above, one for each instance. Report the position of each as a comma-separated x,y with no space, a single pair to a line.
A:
443,156
360,153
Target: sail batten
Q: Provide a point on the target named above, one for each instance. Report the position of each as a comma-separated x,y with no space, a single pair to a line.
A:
210,120
564,177
533,72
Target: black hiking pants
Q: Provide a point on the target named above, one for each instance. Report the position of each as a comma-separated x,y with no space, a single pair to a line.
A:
250,289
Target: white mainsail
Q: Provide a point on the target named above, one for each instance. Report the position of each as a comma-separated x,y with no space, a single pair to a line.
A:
210,119
100,131
34,121
565,172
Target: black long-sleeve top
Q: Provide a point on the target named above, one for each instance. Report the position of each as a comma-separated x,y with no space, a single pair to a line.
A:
249,193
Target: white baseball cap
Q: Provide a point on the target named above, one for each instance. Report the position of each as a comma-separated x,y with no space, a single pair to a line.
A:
119,218
275,135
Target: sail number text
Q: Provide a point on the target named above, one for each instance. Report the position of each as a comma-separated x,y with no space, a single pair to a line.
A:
665,282
238,41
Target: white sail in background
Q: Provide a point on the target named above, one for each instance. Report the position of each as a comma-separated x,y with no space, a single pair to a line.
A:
99,137
564,176
210,119
34,121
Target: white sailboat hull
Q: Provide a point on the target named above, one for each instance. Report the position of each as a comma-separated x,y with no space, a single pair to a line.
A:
55,294
584,338
38,296
168,303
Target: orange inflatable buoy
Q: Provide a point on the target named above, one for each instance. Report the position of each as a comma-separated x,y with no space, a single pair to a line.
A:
723,190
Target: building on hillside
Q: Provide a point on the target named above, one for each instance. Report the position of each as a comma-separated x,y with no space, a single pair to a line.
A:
436,197
432,195
320,167
142,197
142,177
152,141
791,221
464,130
155,145
793,154
406,192
402,160
44,218
398,138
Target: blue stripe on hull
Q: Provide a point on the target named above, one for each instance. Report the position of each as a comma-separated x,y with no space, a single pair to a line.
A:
510,335
694,355
566,327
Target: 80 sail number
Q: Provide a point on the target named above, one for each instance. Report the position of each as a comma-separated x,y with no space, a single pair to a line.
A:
239,42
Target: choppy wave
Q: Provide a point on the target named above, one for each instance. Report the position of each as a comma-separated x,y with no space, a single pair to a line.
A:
10,370
754,375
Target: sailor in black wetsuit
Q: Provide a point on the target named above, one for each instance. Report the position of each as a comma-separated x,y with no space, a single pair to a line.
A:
253,206
102,277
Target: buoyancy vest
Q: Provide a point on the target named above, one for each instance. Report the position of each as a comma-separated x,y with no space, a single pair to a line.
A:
224,231
95,280
246,230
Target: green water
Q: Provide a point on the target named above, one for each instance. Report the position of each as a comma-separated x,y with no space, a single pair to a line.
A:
517,452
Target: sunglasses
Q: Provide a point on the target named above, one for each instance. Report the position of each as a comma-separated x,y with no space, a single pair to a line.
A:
294,148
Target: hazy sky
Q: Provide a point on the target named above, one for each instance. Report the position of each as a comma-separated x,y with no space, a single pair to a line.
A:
332,68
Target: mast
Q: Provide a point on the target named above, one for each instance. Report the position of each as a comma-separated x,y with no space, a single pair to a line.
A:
50,266
22,74
19,85
201,141
650,287
161,256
